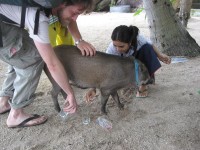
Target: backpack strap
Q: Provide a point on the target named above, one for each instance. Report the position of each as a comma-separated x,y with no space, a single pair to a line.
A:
23,14
37,17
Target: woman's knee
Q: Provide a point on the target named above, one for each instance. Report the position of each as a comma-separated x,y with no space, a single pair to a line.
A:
147,48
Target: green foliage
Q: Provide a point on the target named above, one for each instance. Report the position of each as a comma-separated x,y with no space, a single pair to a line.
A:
138,11
172,1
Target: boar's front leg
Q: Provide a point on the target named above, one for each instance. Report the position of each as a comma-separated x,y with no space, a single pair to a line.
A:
55,89
54,94
63,94
116,99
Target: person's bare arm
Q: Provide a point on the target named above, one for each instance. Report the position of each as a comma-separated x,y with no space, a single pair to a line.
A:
58,73
162,57
85,47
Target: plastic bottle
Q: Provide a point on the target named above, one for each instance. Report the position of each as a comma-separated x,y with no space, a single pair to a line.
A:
104,123
86,113
178,59
63,115
86,120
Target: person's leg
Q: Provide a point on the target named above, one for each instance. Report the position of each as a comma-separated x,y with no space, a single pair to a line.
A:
7,90
4,105
10,38
20,52
147,55
25,84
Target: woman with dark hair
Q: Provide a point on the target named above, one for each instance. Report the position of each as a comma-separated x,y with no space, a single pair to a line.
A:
127,41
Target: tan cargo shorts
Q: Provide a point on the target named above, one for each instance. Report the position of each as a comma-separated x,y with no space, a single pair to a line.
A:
25,65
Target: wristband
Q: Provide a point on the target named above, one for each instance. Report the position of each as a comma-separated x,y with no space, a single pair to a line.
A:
77,42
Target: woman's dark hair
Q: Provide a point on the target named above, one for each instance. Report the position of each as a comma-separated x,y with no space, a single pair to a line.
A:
126,34
87,4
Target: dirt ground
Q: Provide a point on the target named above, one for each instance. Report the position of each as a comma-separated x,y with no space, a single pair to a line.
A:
168,119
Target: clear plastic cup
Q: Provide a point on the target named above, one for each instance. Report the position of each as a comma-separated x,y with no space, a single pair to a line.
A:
104,123
86,120
85,111
63,115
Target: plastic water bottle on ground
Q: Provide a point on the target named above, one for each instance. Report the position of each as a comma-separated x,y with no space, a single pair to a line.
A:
86,120
85,111
104,123
63,115
178,59
86,115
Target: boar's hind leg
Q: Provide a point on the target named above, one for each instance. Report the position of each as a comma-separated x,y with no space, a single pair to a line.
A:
116,98
54,94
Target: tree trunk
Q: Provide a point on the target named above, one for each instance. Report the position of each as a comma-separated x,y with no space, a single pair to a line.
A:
184,13
176,5
166,30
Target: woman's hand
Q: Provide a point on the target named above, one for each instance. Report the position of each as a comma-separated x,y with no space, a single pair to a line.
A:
90,95
164,58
